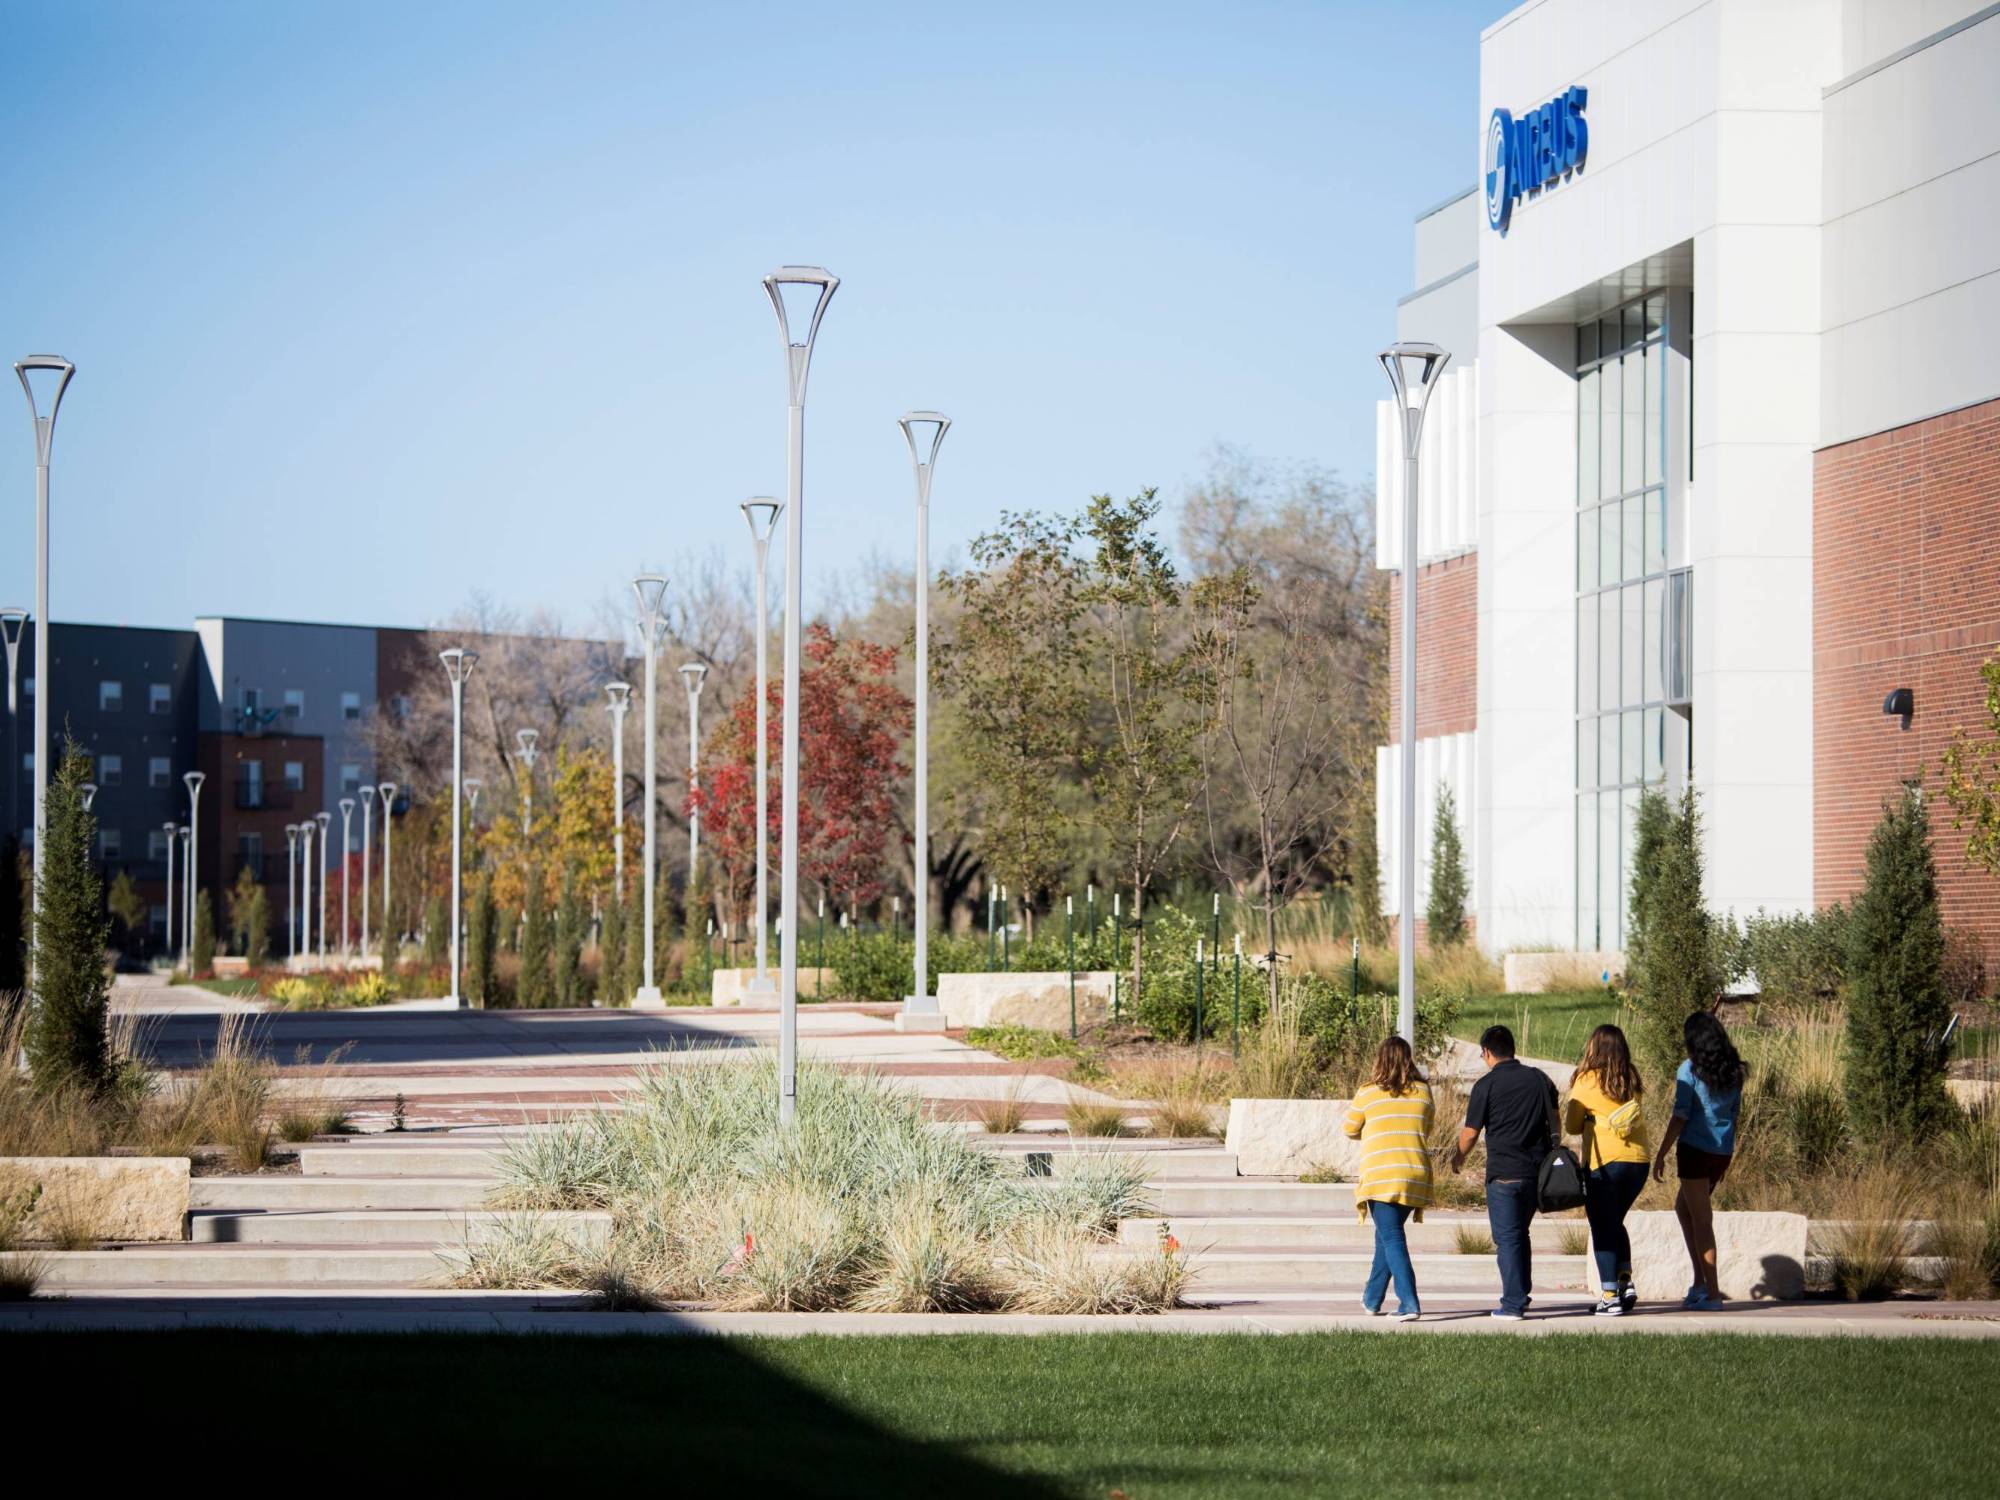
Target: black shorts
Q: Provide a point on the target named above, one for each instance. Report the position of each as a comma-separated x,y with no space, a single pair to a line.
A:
1695,1164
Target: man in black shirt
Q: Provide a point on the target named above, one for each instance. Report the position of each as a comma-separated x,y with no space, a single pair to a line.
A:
1516,1106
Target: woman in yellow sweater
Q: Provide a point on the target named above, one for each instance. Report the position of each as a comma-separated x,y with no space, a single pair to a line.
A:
1391,1117
1603,1108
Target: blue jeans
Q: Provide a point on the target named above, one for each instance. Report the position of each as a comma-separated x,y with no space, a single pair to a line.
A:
1510,1210
1614,1187
1392,1258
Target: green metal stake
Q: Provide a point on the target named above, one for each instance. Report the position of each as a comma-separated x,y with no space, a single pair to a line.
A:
1005,934
1197,994
1090,913
1215,934
1354,972
1236,1009
821,965
1069,937
1117,946
991,941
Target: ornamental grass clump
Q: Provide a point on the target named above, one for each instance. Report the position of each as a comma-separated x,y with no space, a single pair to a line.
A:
862,1205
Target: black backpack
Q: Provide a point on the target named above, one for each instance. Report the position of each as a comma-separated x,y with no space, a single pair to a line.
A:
1559,1184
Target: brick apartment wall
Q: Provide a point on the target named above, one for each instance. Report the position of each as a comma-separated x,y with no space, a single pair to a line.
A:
1906,593
1447,647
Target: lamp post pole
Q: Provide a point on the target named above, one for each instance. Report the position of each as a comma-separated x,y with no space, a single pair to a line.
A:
173,834
291,891
458,665
924,431
187,891
194,780
13,620
762,513
651,589
307,827
525,741
367,861
387,792
1413,370
694,674
324,819
820,285
45,436
346,843
620,694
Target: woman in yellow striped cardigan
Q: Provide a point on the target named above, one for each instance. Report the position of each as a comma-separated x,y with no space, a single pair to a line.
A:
1391,1117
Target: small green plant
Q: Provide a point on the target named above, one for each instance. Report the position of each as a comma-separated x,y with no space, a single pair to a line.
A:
1469,1241
1182,1116
1021,1043
1005,1115
399,1115
1085,1118
1322,1174
1573,1239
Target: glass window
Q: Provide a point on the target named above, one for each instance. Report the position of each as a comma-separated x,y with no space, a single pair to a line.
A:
1607,749
159,771
295,703
1607,649
1656,531
156,844
1586,753
1633,403
1635,538
1607,552
1586,438
1586,344
1586,664
295,775
1628,769
250,699
1608,903
109,844
1586,871
1607,431
1586,549
1656,744
1656,600
350,705
110,770
350,778
1632,641
159,698
110,696
1656,432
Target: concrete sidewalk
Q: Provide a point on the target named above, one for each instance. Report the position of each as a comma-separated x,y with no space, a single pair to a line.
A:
429,1311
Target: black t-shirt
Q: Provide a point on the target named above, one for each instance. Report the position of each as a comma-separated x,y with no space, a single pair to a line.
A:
1512,1103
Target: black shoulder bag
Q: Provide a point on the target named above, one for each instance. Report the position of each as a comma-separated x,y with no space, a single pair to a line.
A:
1560,1182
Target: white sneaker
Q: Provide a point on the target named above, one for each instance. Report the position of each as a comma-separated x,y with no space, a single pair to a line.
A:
1408,1317
1373,1312
1504,1316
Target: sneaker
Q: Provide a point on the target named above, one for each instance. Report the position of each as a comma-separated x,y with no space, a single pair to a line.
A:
1698,1300
1628,1296
1610,1305
1409,1317
1373,1312
1503,1315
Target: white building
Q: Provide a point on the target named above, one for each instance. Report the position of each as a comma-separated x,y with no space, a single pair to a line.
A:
1717,467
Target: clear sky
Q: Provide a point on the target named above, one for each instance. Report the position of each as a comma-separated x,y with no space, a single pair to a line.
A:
375,305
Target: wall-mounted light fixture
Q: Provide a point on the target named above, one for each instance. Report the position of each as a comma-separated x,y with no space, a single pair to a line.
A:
1901,703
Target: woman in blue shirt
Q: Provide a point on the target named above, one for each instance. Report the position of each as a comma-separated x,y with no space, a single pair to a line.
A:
1708,1090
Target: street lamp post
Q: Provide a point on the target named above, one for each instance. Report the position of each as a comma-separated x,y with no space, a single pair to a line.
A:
367,862
194,780
346,841
13,620
924,431
458,665
472,786
307,828
387,792
694,674
88,793
819,285
1413,370
651,590
291,891
620,694
187,891
525,740
45,437
173,835
323,818
762,513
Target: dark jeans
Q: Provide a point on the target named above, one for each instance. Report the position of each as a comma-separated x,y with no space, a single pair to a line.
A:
1392,1258
1614,1187
1510,1210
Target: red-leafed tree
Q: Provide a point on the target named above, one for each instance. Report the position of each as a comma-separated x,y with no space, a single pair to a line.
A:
851,731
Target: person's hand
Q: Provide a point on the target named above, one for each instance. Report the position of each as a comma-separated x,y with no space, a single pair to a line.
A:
1660,1167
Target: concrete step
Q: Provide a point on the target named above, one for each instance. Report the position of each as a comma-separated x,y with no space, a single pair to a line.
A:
1178,1197
1166,1160
377,1227
299,1268
1340,1274
1438,1234
425,1160
272,1191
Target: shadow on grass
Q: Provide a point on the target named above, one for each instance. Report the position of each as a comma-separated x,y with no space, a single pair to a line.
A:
699,1416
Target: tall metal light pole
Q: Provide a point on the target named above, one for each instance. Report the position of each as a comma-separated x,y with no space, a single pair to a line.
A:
924,431
694,674
323,818
390,937
346,843
762,513
472,786
307,828
1413,370
291,891
13,620
194,779
187,890
367,861
458,665
525,740
651,590
620,694
173,835
801,282
61,371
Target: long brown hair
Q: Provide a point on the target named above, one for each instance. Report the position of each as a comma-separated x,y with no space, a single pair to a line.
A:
1609,1056
1395,1067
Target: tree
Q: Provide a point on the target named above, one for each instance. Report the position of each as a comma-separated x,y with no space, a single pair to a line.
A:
1445,915
611,954
257,930
1158,690
238,899
1972,778
1365,897
67,1041
571,919
201,957
480,944
1897,1006
534,991
437,933
1671,965
13,918
1013,673
129,908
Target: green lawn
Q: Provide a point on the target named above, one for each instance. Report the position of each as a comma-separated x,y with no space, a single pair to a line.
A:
1156,1417
1554,1026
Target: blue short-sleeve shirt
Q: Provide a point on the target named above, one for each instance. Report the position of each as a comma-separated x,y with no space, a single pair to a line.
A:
1710,1117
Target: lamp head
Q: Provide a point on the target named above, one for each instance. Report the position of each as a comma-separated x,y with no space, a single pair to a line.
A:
458,663
52,373
346,810
526,740
651,590
694,674
88,792
472,786
292,834
388,791
322,818
924,431
367,797
762,512
1413,370
800,295
171,829
620,693
194,779
13,620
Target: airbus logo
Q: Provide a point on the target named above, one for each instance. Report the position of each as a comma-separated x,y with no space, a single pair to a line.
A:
1531,153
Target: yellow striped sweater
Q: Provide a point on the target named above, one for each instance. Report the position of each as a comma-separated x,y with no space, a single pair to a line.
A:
1394,1131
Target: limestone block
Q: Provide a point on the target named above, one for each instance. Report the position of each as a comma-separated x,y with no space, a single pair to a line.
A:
732,986
1021,999
1758,1256
1289,1137
1538,973
108,1198
1973,1093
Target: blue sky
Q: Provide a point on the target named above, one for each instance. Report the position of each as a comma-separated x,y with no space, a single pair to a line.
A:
377,305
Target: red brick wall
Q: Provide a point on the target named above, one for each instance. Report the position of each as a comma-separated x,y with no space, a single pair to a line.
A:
1447,647
1906,593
